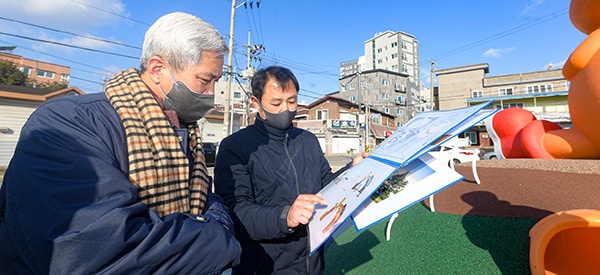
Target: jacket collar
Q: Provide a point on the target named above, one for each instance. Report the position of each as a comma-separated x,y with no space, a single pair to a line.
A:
273,133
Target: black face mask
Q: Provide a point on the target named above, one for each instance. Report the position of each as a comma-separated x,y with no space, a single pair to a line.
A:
189,105
279,121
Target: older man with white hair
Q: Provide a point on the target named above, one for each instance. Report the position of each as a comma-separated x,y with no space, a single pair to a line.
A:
116,182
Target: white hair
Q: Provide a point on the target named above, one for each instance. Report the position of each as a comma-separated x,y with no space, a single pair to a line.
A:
179,38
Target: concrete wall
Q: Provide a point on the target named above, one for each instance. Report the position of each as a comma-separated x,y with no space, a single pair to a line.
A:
455,88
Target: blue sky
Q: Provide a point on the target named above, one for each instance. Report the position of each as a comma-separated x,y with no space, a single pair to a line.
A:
311,37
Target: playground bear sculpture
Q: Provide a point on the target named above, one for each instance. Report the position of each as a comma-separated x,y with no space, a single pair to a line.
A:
518,134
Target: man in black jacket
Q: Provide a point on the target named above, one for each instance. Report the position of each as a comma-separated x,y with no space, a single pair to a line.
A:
269,175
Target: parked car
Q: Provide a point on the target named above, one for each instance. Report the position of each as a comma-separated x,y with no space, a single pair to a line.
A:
490,155
210,152
454,154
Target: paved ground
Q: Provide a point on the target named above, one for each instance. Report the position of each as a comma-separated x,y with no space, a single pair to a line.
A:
522,188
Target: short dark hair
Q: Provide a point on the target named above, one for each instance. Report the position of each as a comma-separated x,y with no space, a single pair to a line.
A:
280,74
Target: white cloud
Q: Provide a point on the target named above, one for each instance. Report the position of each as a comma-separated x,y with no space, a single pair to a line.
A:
532,5
71,40
87,43
497,53
74,15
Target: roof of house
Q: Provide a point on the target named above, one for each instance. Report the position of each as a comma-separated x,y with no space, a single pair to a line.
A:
34,94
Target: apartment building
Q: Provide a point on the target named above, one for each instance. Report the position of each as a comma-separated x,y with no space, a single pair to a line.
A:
386,78
39,72
393,51
542,92
385,91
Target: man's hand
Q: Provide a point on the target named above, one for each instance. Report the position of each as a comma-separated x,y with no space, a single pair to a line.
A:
359,158
302,209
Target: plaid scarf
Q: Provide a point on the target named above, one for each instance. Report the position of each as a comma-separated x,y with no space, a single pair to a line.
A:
157,164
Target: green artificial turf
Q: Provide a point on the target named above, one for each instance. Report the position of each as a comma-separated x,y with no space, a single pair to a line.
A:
423,242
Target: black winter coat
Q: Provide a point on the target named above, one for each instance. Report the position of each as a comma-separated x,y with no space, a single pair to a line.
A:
259,172
67,205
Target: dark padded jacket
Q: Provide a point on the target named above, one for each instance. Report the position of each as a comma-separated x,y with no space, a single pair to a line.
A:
259,173
67,205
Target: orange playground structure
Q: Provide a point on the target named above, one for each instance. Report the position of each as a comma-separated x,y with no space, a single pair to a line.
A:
566,242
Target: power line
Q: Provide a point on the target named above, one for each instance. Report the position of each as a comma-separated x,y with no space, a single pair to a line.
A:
59,57
501,34
110,12
74,34
311,92
260,26
86,80
253,19
68,60
70,46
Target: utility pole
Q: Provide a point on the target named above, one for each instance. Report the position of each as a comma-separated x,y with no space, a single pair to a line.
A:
252,53
368,120
247,98
226,113
360,112
432,99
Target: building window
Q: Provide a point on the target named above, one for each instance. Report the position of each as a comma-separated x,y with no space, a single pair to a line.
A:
400,87
352,86
64,78
478,93
399,112
379,61
322,114
403,45
472,137
26,71
505,91
386,110
404,68
237,95
379,50
394,44
352,99
547,88
384,83
394,67
343,88
404,56
510,105
384,96
394,55
400,100
45,74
